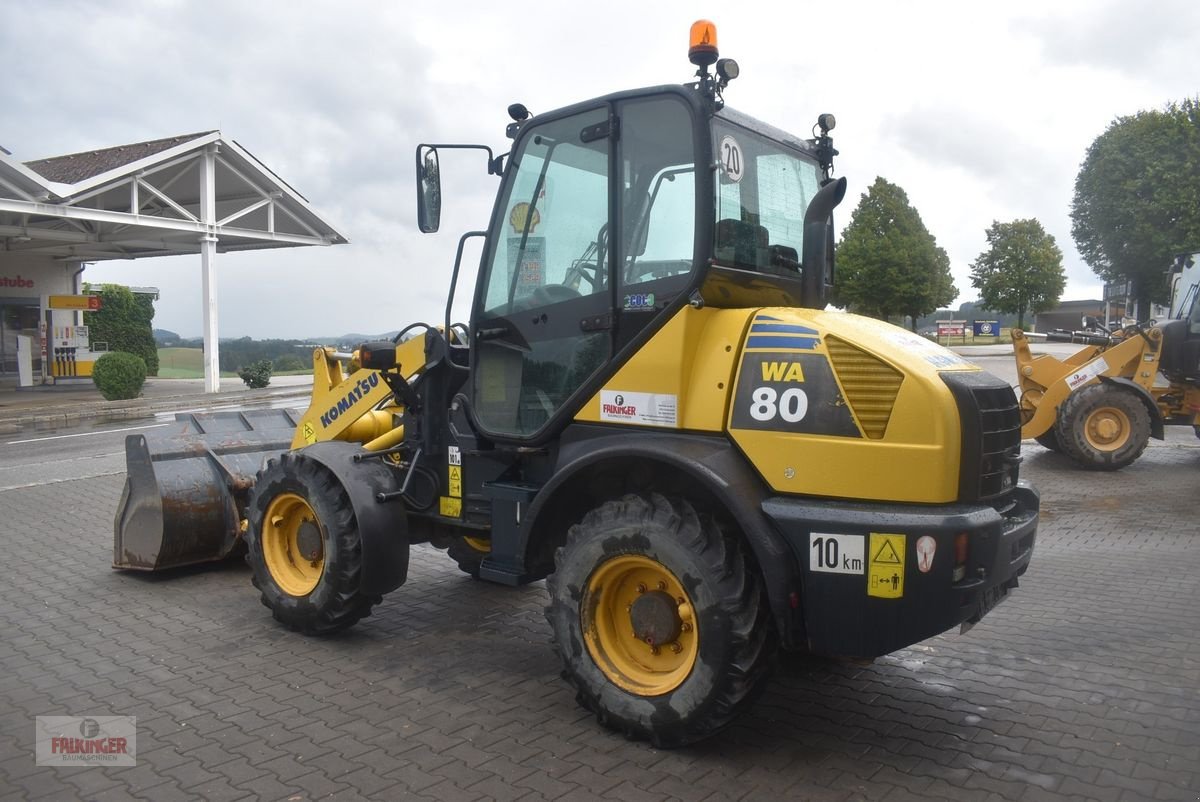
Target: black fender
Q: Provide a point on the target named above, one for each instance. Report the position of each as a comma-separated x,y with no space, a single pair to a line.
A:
716,466
382,528
1156,419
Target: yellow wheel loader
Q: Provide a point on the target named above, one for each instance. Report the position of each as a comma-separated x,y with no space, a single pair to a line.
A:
1101,405
650,408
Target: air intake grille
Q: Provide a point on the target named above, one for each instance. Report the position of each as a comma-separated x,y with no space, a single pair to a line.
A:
1000,430
870,385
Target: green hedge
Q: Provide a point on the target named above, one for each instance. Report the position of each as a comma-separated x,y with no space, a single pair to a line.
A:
257,374
119,375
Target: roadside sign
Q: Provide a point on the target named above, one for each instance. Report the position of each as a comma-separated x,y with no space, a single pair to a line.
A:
951,328
987,328
86,303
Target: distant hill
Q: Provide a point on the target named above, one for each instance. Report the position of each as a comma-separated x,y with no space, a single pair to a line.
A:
165,339
354,338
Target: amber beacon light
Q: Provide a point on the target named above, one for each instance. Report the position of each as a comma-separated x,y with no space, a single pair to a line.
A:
702,45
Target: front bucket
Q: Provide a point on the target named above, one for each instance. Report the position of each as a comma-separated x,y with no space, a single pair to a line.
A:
186,487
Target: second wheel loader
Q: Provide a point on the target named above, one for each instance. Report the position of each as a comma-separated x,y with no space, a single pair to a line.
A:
1101,405
650,408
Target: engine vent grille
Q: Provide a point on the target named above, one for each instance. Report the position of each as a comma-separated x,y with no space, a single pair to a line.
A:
1000,430
870,385
991,432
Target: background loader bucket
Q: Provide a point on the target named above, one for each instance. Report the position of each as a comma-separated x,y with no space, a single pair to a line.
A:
186,486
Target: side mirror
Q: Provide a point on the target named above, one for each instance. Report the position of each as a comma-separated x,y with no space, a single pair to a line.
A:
429,189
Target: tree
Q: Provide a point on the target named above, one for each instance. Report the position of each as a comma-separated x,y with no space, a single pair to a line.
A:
1137,198
888,262
124,322
1021,270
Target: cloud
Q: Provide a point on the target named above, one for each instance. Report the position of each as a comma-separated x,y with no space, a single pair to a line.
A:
978,112
1156,40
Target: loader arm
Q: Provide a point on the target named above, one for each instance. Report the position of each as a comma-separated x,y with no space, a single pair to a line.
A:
348,407
1046,381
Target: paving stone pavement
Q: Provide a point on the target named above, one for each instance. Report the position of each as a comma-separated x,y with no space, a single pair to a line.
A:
1083,685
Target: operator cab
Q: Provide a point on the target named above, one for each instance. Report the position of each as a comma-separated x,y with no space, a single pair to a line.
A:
1181,334
615,213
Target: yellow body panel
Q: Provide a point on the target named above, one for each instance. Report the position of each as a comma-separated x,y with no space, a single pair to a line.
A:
690,359
917,457
698,358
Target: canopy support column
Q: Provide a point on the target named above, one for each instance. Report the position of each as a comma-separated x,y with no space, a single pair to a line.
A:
208,253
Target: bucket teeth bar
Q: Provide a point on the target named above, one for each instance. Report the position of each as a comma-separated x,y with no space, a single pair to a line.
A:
186,486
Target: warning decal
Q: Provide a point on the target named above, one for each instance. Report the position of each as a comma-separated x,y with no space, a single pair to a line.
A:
450,507
885,566
310,435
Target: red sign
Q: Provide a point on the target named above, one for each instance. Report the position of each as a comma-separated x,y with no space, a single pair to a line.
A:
951,328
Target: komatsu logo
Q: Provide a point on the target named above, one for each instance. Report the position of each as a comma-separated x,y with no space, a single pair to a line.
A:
343,405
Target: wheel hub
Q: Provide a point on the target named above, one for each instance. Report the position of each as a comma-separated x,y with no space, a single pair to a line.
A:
639,625
292,545
308,541
655,618
1107,429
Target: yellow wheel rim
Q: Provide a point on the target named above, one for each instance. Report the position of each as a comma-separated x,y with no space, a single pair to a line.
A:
639,625
479,544
1107,429
292,544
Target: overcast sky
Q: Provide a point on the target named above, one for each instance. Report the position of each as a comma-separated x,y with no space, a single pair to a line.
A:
979,111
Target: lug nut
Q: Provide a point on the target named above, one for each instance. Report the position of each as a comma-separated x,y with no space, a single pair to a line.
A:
654,650
662,585
685,627
677,647
641,588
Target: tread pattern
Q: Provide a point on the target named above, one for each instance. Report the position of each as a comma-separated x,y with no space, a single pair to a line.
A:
336,603
734,671
1072,417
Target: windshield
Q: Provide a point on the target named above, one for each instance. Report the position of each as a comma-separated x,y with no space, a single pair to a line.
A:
763,188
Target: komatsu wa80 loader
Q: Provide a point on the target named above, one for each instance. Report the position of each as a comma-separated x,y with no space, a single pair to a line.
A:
650,408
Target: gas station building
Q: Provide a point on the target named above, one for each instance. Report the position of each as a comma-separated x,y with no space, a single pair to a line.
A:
198,194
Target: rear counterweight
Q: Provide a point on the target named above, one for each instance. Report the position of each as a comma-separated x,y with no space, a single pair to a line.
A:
893,576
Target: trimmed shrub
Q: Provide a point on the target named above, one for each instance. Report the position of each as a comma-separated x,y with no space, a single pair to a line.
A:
119,375
256,374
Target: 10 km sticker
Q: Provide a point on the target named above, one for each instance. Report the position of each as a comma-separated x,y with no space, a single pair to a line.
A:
835,554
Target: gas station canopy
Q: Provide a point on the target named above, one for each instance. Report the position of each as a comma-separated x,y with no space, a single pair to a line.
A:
193,194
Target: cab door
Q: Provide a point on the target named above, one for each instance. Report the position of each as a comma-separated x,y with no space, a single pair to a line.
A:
543,317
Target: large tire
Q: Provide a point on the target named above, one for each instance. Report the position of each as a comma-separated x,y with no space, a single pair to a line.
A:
469,553
304,547
647,664
1103,427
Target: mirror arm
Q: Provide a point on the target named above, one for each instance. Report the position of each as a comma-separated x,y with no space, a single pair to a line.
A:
495,163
